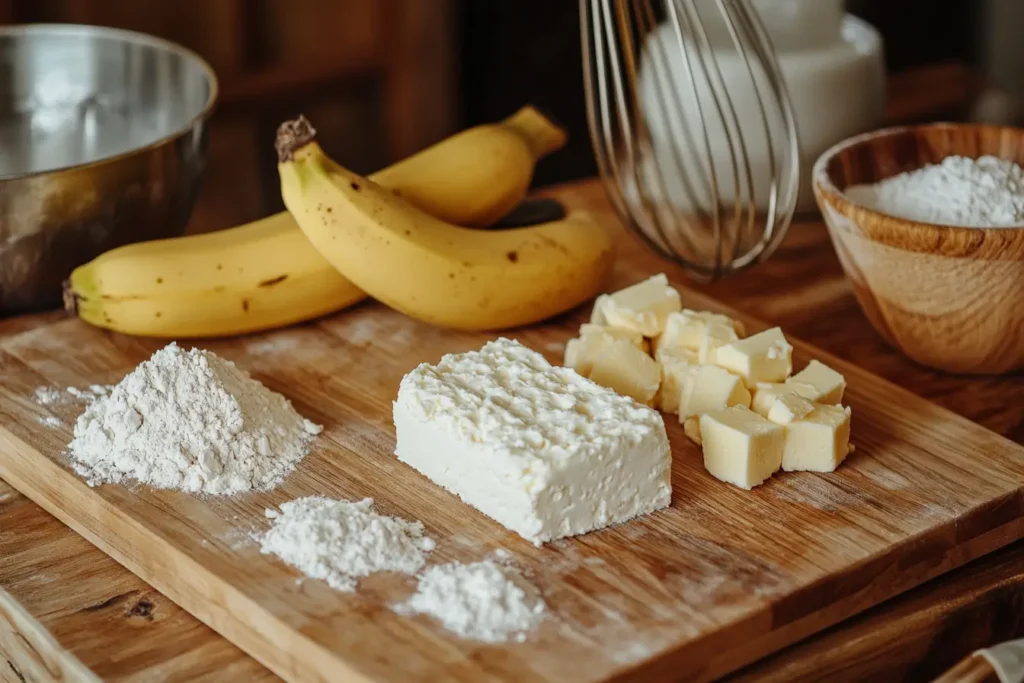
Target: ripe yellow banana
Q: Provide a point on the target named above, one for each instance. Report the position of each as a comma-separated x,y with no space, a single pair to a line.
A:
266,274
428,268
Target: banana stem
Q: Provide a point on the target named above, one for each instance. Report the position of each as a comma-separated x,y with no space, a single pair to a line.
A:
541,134
292,136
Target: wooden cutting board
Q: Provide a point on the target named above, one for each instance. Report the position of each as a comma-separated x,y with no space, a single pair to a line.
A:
721,578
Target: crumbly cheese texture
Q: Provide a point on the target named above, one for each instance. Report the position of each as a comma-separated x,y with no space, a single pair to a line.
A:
643,307
539,449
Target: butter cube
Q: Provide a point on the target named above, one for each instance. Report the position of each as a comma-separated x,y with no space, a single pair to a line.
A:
818,441
716,335
789,408
828,385
627,370
817,383
643,307
740,446
678,366
691,427
634,338
763,395
764,357
687,329
597,316
712,388
581,352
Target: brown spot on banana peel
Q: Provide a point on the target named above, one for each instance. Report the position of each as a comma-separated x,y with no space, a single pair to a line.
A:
273,281
245,305
292,136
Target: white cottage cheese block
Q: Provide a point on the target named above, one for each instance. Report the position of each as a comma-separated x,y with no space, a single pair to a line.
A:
539,449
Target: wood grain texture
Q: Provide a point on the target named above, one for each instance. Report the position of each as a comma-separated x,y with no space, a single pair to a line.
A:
911,638
948,297
77,613
695,591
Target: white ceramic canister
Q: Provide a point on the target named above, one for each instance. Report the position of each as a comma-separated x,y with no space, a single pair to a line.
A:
833,68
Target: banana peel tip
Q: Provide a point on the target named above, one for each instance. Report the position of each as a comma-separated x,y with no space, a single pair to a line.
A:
292,136
70,298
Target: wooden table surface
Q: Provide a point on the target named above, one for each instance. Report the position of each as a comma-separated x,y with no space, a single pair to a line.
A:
66,609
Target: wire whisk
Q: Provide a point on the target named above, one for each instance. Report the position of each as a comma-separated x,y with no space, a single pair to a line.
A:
692,128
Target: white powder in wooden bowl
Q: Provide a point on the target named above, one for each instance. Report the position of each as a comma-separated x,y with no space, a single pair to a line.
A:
974,193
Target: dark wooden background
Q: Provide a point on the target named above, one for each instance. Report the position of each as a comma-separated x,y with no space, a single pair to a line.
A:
382,78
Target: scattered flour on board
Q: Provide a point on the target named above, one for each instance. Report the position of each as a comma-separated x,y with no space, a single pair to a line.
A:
190,420
50,396
51,421
273,344
984,193
47,396
340,541
482,601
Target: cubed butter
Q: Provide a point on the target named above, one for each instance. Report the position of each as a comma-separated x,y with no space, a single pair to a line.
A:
716,335
711,388
763,357
817,383
789,408
763,395
627,370
581,352
741,447
828,384
597,316
687,329
643,307
678,366
691,427
635,338
818,441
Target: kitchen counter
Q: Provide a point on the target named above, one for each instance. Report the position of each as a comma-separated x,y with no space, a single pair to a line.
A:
67,611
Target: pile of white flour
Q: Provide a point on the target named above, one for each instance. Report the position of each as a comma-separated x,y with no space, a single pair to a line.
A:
190,420
339,541
982,193
480,601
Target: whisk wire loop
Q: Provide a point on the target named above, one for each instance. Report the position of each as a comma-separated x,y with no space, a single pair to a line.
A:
692,128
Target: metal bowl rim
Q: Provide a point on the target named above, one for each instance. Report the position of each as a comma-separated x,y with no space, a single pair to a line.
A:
128,36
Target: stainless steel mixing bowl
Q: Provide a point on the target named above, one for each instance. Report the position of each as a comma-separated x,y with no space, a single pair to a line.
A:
102,143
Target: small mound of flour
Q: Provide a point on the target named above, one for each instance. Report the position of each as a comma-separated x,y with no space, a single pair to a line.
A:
980,193
483,601
339,541
190,420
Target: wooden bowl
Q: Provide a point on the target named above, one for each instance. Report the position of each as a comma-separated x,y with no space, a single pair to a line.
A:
948,297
